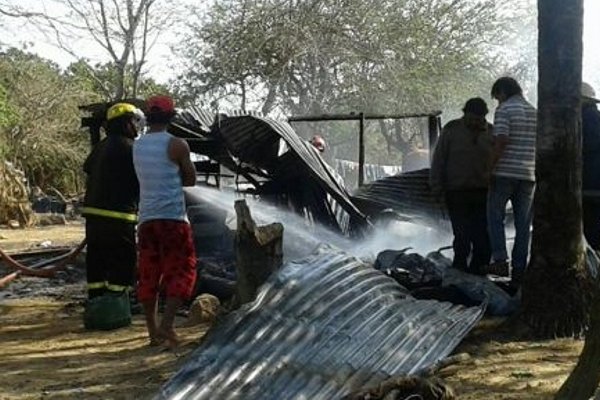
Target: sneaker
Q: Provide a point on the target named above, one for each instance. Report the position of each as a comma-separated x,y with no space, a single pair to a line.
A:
499,268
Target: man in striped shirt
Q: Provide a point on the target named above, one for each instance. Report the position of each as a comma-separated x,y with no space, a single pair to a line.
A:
513,176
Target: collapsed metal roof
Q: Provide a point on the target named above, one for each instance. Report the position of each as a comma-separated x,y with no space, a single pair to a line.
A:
408,194
250,146
320,328
270,155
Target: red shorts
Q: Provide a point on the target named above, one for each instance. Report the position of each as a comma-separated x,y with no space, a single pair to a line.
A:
167,260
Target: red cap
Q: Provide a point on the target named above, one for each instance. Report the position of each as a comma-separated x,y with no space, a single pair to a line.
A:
160,104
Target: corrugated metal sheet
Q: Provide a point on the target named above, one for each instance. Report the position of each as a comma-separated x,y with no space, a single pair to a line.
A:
408,194
256,140
320,328
196,119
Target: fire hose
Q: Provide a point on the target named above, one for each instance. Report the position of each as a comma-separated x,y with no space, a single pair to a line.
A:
38,269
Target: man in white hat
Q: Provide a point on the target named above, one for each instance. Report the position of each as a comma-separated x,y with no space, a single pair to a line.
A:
590,118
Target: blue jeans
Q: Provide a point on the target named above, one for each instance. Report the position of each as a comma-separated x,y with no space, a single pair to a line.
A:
520,194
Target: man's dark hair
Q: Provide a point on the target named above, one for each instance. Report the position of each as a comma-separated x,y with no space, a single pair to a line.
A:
506,85
159,117
476,106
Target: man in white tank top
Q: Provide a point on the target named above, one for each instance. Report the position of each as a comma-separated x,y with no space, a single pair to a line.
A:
166,256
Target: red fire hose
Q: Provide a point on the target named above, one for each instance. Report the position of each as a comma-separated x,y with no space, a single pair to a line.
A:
60,263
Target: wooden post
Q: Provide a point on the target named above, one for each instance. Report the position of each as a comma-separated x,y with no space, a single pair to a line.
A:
258,252
433,125
361,150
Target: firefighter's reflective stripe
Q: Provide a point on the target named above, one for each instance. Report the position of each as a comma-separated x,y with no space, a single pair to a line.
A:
107,285
96,285
110,214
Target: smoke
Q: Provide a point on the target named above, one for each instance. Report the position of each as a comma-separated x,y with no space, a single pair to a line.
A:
398,235
300,238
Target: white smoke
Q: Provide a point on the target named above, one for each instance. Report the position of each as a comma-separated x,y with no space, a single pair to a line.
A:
300,238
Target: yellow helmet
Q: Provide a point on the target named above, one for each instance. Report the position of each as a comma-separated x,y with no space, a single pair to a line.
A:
120,109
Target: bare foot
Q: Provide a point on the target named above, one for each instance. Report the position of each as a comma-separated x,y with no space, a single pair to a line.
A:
156,341
169,336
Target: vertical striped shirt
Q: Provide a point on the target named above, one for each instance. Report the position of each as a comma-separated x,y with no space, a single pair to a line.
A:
517,119
161,191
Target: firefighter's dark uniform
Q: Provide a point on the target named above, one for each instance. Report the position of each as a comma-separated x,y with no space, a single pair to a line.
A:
110,209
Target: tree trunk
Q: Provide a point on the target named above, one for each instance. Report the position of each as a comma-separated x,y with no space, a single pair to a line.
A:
557,287
258,252
584,379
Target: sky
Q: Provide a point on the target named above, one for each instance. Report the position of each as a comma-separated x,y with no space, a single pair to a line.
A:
164,66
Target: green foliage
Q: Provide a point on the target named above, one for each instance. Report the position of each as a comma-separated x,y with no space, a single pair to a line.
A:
328,56
7,113
43,137
7,118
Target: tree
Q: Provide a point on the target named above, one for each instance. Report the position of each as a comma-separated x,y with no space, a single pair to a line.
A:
106,79
124,29
557,289
584,379
42,135
315,56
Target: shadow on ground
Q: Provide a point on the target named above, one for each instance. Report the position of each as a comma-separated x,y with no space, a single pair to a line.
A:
505,368
46,354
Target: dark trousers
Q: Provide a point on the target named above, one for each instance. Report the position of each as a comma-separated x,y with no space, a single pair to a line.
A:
591,222
111,255
468,214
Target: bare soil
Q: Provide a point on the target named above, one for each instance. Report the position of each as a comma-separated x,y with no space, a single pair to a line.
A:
53,235
502,367
46,353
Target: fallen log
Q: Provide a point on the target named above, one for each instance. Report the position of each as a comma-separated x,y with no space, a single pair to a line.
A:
39,269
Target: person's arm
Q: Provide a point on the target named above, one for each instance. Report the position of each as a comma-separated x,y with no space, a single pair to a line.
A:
500,143
501,135
438,163
179,153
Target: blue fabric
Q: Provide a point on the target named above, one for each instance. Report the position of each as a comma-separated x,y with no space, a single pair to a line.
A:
520,193
590,117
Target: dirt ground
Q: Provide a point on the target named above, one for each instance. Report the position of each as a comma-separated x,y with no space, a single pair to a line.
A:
54,235
46,353
503,368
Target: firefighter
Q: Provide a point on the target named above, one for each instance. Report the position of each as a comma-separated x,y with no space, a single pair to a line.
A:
110,205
